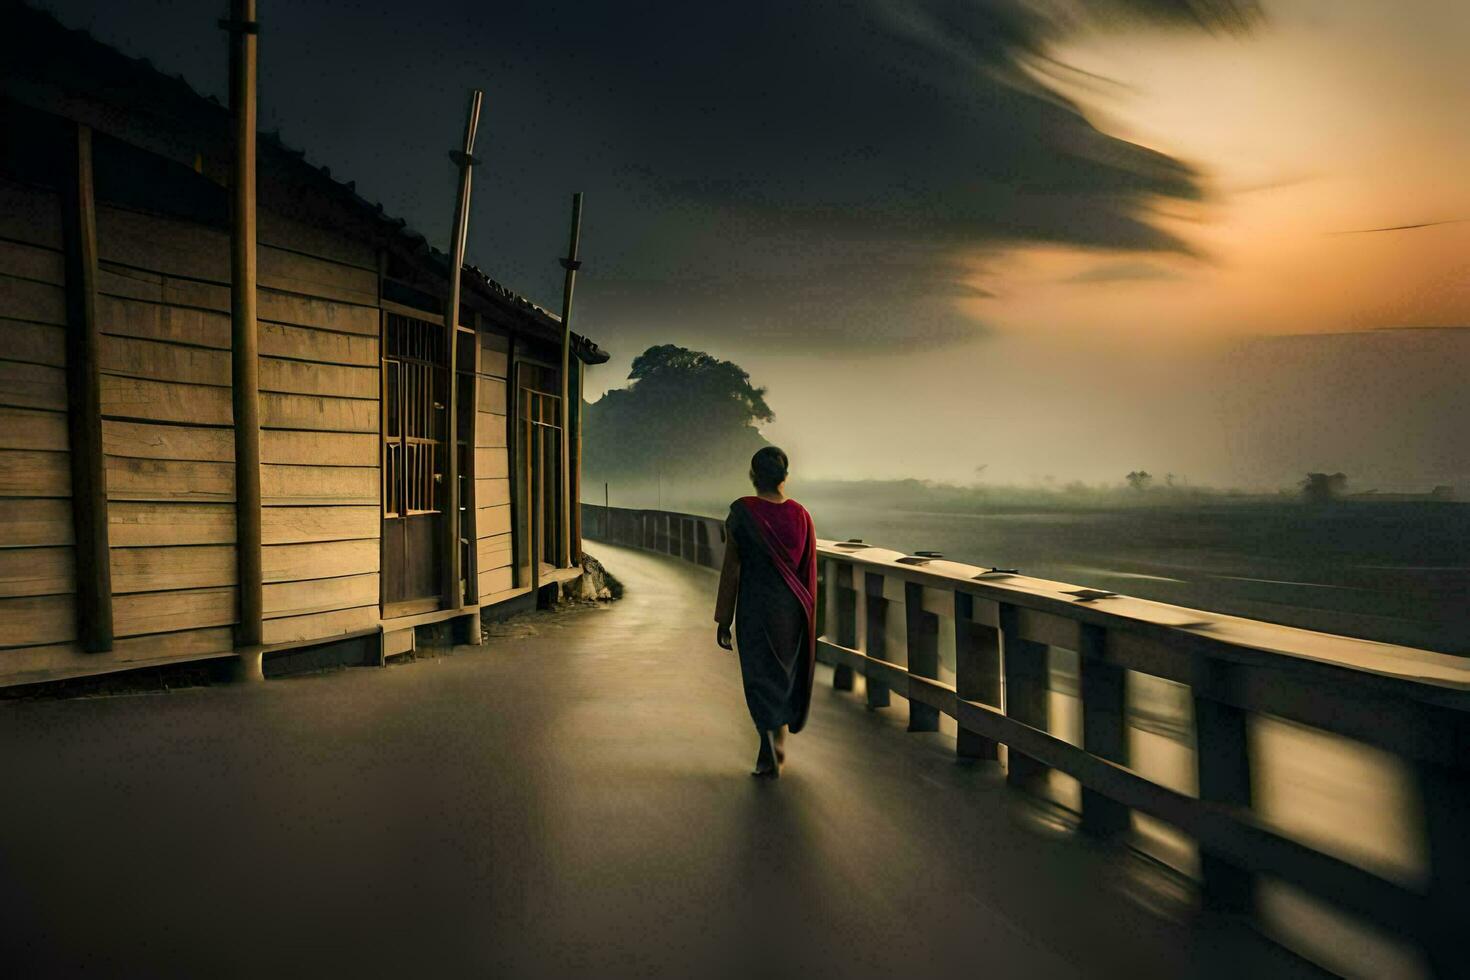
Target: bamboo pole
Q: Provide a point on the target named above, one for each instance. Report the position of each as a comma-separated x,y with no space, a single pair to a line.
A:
84,399
571,265
465,159
244,346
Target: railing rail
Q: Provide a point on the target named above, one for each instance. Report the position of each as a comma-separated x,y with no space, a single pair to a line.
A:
1412,703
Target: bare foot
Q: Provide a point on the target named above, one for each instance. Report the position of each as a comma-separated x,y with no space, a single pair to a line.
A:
768,760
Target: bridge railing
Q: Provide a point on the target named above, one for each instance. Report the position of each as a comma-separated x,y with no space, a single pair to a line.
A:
978,644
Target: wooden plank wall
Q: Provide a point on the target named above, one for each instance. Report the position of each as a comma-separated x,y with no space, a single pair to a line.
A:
320,482
37,574
163,307
492,472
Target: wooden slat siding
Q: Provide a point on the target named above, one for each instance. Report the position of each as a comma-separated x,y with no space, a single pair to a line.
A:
294,272
121,317
492,396
321,595
169,479
166,246
323,314
45,661
143,440
495,581
493,520
37,571
142,613
163,401
282,485
319,449
491,464
32,386
35,302
25,261
320,626
317,346
284,232
139,284
22,428
308,378
330,559
28,523
33,620
134,525
34,343
489,493
490,432
172,568
300,525
494,551
318,413
34,474
129,357
184,249
30,215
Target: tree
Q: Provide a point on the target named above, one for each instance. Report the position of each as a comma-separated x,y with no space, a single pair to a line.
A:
1139,480
1321,488
687,418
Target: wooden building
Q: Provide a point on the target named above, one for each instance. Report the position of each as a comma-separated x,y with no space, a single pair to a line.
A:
118,504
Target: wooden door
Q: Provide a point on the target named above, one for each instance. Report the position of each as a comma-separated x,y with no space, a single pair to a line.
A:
540,434
415,389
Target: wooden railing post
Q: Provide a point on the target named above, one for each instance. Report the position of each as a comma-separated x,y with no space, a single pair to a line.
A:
1026,694
1104,726
875,623
976,670
921,630
1222,753
1445,794
844,607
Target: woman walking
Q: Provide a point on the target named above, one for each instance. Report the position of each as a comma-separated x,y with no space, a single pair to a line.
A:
768,588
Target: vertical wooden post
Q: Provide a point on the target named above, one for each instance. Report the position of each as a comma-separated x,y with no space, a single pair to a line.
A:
1104,726
574,470
84,398
452,530
1026,695
877,639
976,671
843,606
921,631
1446,799
571,265
1222,753
244,346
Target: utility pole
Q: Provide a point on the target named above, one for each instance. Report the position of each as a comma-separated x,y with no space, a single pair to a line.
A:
244,342
571,265
465,160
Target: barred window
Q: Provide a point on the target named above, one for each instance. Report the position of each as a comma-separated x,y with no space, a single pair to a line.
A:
414,386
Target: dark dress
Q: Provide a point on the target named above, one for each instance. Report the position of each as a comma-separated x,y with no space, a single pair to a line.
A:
774,608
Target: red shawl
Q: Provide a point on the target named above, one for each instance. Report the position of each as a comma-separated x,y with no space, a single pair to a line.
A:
791,540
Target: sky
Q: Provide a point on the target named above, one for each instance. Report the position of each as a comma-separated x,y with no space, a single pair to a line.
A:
1012,240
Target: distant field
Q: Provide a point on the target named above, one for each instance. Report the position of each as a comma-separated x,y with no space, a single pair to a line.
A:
1397,572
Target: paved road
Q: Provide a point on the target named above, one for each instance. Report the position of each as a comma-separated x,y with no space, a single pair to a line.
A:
570,800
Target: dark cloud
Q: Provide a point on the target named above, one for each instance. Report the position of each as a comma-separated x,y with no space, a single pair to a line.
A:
796,171
1123,272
